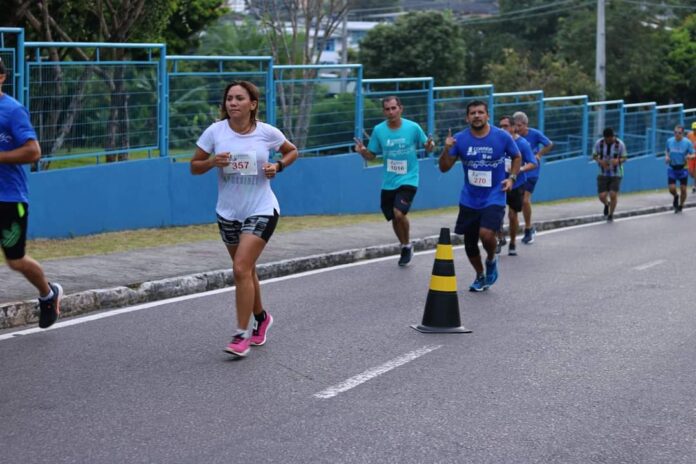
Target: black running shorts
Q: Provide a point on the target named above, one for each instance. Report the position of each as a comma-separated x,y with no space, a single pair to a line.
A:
13,229
261,226
400,198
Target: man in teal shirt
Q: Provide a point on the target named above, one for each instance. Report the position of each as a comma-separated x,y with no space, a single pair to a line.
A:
397,139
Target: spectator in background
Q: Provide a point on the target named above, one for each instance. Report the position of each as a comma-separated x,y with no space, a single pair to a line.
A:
610,154
19,145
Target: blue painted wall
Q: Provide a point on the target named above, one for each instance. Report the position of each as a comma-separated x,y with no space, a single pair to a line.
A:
161,192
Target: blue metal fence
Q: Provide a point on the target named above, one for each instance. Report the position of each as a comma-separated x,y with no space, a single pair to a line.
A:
450,106
667,116
529,102
196,84
566,123
12,55
602,115
111,102
105,102
318,107
415,94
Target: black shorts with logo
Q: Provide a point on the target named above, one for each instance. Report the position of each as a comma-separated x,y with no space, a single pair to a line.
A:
13,229
400,198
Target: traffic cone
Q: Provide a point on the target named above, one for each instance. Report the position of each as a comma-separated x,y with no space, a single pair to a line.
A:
441,313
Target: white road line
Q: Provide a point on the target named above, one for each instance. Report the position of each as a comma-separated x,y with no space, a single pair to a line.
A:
130,309
645,266
374,372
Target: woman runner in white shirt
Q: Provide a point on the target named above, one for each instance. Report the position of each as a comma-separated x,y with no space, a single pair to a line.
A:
247,210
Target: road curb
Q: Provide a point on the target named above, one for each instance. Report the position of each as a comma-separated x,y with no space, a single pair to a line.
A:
21,313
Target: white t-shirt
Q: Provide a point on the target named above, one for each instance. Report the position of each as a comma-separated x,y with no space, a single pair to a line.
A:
243,189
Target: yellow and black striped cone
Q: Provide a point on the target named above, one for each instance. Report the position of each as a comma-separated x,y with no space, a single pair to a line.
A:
441,313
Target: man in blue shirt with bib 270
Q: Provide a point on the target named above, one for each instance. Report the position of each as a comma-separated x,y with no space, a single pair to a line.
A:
482,148
18,146
677,152
398,140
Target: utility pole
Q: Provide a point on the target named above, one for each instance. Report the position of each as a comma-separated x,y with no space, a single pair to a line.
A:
601,59
344,48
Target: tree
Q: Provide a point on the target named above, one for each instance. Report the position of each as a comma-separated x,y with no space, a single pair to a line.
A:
682,59
637,48
117,21
297,32
189,18
555,77
416,45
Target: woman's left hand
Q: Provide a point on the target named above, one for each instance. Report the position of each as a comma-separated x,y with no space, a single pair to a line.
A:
270,169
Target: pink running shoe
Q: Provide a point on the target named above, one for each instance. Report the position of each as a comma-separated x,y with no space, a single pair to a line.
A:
239,346
258,335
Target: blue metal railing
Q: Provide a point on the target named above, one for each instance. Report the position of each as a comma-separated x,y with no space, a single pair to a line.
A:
109,101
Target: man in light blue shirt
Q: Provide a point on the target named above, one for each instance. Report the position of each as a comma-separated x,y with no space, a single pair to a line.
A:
398,140
541,145
515,196
678,150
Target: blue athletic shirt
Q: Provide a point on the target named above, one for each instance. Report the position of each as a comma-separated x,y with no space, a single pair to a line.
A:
399,149
483,160
15,131
678,151
536,138
527,157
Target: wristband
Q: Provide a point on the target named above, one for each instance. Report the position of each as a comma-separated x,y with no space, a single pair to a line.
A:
281,166
513,177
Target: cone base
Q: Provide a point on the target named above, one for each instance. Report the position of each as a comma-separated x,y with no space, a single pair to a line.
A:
430,329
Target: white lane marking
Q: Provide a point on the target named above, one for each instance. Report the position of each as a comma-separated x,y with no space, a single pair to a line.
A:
645,266
374,372
130,309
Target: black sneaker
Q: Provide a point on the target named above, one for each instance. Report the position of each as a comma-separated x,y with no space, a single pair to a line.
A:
406,255
610,218
50,309
693,189
679,209
675,203
606,209
499,247
527,236
512,250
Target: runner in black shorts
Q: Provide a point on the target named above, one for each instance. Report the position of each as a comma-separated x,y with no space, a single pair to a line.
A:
18,146
398,140
515,197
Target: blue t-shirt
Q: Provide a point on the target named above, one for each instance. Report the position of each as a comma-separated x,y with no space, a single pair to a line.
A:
527,157
399,149
483,160
536,140
678,151
15,131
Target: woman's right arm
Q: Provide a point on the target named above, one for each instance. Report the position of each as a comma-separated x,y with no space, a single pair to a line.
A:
202,162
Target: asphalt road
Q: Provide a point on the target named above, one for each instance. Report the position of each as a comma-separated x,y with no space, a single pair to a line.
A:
583,352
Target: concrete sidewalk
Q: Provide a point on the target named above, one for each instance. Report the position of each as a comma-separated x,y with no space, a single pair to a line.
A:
120,279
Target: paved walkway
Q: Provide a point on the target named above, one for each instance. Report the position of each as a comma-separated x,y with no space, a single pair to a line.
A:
295,251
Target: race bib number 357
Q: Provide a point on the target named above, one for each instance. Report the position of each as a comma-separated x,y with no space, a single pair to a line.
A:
242,163
480,178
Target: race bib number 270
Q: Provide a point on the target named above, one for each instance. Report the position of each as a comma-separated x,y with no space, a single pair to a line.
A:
480,178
